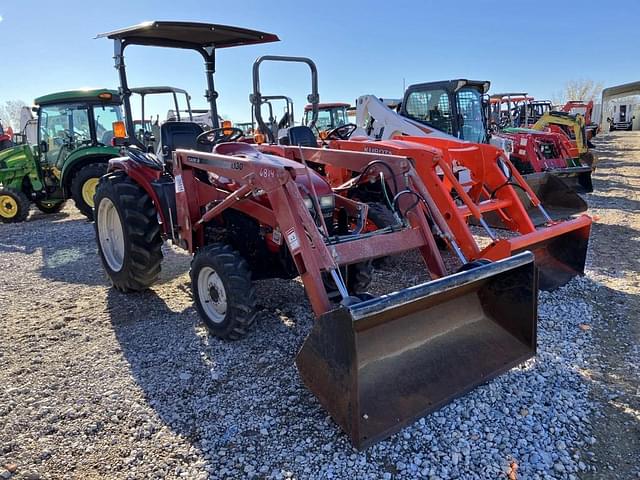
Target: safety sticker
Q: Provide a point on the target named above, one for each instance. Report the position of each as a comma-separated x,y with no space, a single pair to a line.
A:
277,236
522,152
523,142
179,184
292,240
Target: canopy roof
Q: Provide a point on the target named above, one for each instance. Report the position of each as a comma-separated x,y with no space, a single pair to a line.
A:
189,35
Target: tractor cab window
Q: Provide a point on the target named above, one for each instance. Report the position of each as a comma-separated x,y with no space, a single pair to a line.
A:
104,117
471,115
324,120
63,128
430,107
340,117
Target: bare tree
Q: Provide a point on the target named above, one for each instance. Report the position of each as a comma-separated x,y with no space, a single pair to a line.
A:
10,113
582,89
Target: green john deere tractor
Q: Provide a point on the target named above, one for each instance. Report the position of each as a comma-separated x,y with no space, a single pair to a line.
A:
74,144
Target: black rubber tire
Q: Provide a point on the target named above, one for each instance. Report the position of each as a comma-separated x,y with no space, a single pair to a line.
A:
92,170
47,207
235,275
358,278
382,216
22,202
142,241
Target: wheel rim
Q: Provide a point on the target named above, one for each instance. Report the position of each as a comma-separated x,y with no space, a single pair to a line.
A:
89,191
212,294
8,206
110,234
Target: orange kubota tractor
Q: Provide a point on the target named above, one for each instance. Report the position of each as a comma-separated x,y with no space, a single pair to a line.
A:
467,183
375,363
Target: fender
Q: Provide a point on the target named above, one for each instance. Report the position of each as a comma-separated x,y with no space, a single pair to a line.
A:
144,177
82,156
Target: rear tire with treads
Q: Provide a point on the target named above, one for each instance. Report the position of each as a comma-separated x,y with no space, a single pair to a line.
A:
127,232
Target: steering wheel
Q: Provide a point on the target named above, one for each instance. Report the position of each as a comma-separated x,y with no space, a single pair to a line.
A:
219,135
343,132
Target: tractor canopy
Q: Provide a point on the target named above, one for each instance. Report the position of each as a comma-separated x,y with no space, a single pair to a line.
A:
95,95
204,38
189,35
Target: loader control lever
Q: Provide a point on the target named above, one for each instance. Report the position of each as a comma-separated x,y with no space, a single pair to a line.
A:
219,135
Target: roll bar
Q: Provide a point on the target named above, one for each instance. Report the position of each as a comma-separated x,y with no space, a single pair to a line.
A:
257,99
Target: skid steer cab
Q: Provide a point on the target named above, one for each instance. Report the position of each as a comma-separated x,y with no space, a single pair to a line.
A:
375,363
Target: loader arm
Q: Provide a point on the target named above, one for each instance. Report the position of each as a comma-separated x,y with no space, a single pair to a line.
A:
255,174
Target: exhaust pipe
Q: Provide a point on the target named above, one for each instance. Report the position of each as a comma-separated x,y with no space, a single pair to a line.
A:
378,365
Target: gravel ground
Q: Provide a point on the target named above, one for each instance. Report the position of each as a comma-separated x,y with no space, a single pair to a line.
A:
96,384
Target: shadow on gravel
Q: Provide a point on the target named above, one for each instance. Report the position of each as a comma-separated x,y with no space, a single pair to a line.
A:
615,379
215,393
611,260
161,346
612,202
67,249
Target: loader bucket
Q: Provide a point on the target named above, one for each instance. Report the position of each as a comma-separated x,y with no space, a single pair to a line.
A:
381,364
557,194
560,250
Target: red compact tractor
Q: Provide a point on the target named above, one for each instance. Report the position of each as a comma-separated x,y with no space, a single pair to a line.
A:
541,139
375,363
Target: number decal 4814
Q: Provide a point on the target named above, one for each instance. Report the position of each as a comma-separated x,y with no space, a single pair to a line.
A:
267,173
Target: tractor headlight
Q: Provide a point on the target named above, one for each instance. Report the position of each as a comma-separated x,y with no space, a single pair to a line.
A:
308,203
326,202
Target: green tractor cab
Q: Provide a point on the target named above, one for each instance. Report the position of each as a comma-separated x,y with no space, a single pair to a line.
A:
74,145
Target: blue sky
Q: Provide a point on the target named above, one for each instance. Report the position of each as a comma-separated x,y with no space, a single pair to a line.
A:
360,47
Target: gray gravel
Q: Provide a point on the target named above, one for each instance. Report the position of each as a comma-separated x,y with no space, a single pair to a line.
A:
97,384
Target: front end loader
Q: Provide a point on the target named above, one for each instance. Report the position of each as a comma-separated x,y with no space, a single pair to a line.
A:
375,363
469,184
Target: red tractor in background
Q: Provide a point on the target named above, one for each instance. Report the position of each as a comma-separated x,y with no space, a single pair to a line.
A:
375,363
330,115
542,139
6,137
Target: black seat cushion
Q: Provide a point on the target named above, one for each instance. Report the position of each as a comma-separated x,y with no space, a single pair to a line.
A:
302,136
179,135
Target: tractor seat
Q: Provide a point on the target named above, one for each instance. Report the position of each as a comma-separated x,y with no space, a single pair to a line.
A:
176,135
302,136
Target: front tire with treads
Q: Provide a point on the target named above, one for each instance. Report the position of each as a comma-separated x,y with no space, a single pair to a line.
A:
127,232
222,291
